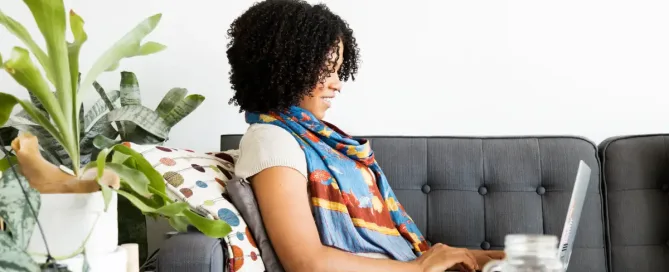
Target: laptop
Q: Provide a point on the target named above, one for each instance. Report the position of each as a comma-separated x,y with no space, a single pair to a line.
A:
566,245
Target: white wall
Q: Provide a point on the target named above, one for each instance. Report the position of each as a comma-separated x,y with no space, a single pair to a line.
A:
584,67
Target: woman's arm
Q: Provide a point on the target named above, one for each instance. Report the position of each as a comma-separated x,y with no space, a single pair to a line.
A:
282,197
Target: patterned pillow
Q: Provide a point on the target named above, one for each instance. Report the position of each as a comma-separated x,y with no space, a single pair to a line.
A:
200,180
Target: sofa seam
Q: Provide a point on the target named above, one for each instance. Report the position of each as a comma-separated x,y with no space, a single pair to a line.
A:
541,178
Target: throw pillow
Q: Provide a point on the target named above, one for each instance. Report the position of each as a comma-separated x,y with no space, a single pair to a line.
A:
199,179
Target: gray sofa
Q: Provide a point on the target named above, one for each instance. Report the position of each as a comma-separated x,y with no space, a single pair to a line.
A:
471,192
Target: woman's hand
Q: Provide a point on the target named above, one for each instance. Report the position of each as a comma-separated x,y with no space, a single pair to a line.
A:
485,256
441,257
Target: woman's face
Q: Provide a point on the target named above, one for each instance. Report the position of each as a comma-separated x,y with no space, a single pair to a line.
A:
321,97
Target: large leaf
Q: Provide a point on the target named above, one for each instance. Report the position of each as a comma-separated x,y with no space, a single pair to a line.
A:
73,49
20,32
156,180
142,117
130,94
108,102
100,107
127,46
106,191
38,104
23,70
101,128
142,137
7,102
50,18
101,142
209,227
56,152
179,223
183,108
170,100
172,209
135,179
139,202
150,48
7,162
15,208
14,258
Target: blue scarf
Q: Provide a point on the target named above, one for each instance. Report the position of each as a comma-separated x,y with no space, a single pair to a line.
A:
355,210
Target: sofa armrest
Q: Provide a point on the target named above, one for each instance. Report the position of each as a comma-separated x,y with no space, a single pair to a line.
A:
191,251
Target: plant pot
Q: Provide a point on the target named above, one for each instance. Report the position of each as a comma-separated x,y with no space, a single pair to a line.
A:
67,219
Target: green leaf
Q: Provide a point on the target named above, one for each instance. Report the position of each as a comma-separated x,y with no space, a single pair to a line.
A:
108,103
14,258
50,18
5,163
183,108
100,107
135,179
73,49
100,128
209,227
172,209
101,142
127,46
130,94
7,102
156,180
142,137
142,117
20,32
150,48
137,202
50,145
22,69
14,207
179,223
101,162
38,104
170,99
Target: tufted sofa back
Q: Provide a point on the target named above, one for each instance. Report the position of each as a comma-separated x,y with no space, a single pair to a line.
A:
635,173
471,192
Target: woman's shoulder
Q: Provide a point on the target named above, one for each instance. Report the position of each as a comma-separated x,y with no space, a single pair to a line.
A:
266,145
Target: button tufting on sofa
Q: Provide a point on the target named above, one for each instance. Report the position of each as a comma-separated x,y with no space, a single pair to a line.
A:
426,189
485,245
541,190
483,190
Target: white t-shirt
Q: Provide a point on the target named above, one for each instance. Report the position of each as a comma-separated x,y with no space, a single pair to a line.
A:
266,145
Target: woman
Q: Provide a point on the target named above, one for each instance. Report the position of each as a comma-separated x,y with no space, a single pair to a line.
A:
325,202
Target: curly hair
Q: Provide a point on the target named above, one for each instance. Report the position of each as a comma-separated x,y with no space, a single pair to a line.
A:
278,53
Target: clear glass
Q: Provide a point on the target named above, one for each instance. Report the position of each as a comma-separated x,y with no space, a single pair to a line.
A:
528,253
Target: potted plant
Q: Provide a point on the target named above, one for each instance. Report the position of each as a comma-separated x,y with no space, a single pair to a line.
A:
89,187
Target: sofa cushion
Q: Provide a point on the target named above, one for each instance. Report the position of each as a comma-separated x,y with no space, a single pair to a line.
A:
636,176
471,192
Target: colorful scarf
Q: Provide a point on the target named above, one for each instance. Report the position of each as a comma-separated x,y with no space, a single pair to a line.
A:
352,212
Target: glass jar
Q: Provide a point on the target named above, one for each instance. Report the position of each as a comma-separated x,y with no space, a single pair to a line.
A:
528,253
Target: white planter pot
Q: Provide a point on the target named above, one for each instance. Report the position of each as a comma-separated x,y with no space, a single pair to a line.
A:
67,219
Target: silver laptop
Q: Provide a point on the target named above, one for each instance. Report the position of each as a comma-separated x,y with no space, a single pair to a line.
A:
566,245
574,210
